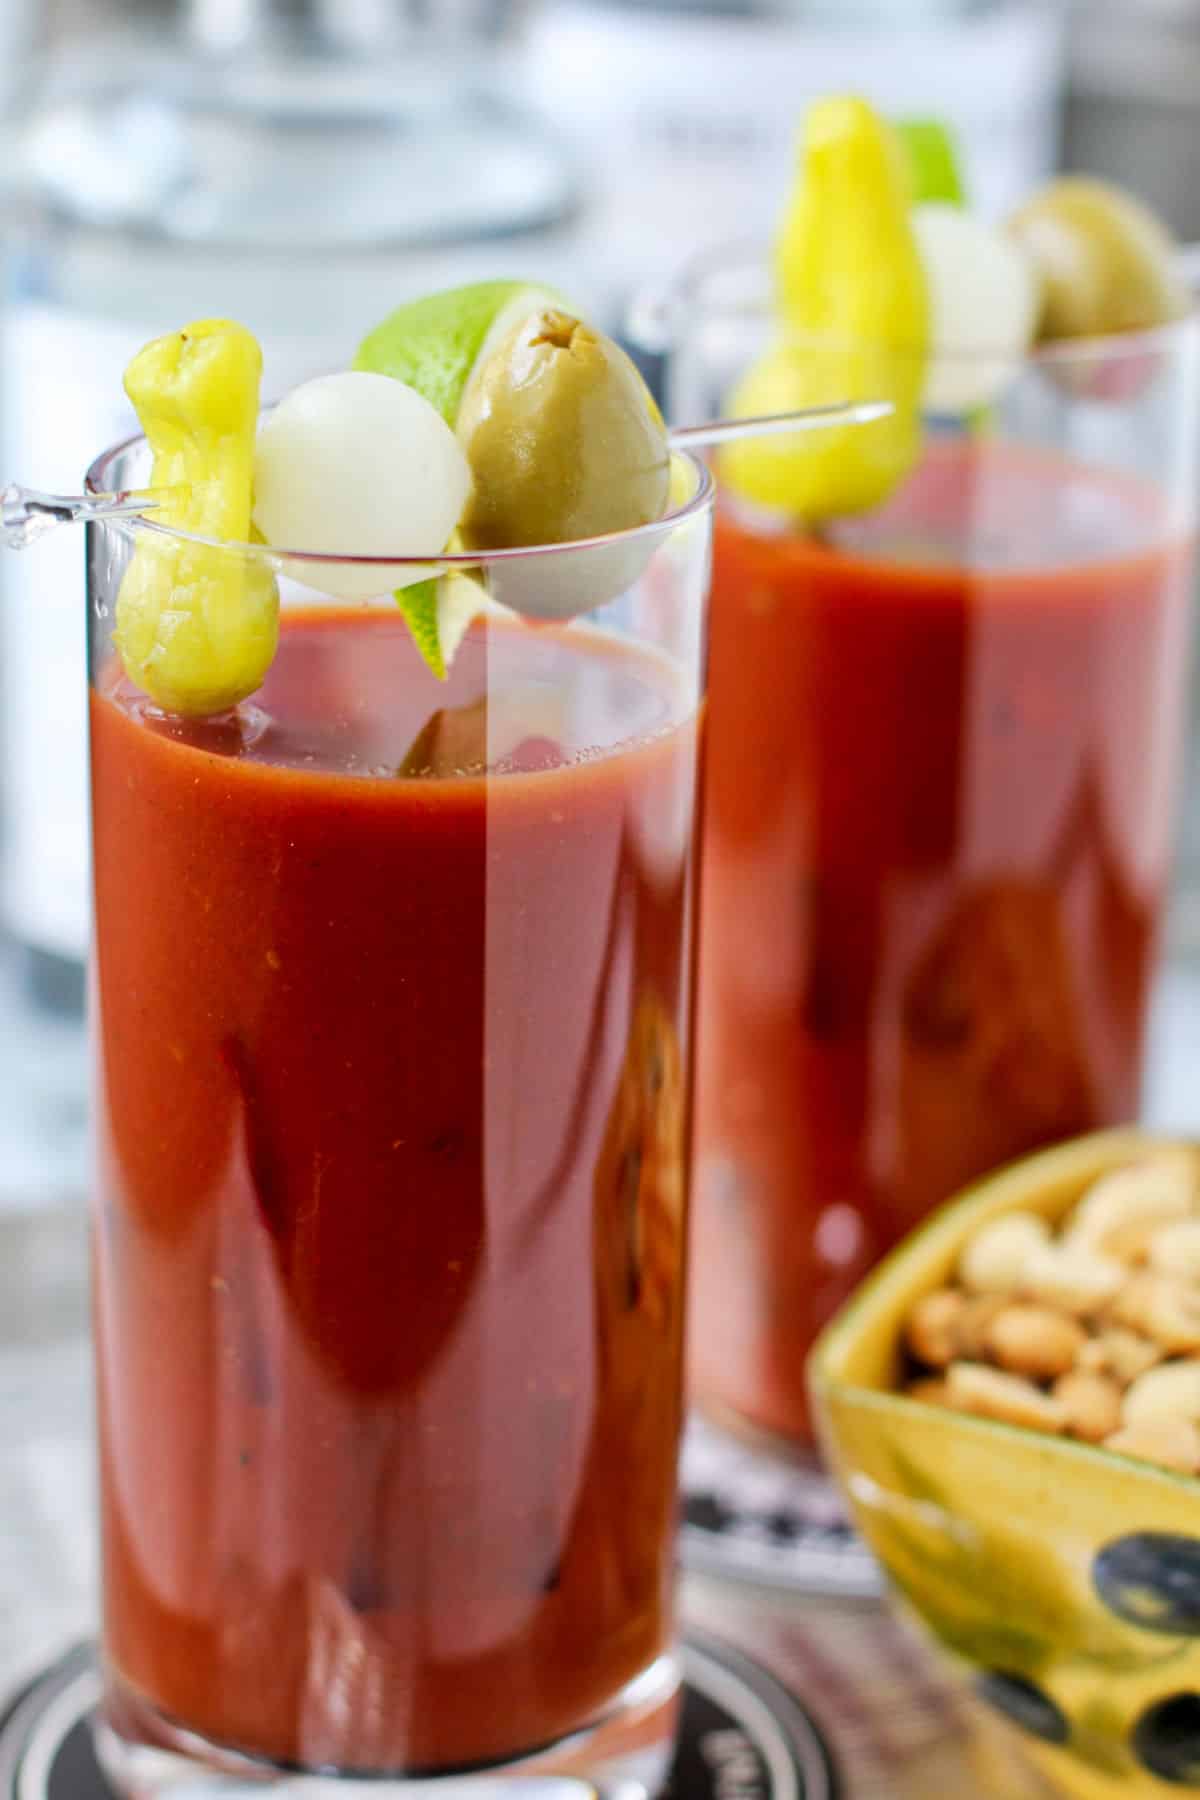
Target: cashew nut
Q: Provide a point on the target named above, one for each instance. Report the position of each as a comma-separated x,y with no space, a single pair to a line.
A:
1172,1391
1117,1216
1122,1354
993,1261
1172,1443
992,1394
1161,1309
1092,1404
932,1330
1175,1250
1072,1276
1094,1332
1034,1341
973,1324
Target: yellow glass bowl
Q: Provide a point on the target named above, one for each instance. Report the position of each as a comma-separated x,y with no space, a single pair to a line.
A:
1063,1581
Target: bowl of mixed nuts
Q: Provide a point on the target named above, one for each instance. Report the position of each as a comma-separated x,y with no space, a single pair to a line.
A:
1011,1404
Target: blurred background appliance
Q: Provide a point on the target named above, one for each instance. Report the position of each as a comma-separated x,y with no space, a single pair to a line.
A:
683,113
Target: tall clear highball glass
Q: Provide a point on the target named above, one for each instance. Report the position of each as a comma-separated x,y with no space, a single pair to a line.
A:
392,999
942,748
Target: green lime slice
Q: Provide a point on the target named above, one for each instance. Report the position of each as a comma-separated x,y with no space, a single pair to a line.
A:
436,344
440,612
934,161
419,604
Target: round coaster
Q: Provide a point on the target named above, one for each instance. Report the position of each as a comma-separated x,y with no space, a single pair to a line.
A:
741,1734
753,1516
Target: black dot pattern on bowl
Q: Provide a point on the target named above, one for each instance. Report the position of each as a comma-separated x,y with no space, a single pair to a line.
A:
1022,1701
1166,1740
1152,1579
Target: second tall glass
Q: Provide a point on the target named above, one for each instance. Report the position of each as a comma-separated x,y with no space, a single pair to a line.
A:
943,741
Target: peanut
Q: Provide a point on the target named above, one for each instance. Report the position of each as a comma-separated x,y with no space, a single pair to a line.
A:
1175,1250
1160,1309
1072,1277
993,1261
932,1330
1118,1214
973,1324
1094,1332
991,1394
1172,1443
1122,1354
1174,1320
1034,1341
1172,1391
929,1389
1092,1404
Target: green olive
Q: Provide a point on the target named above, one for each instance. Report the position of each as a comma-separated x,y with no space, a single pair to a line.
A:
1106,263
563,439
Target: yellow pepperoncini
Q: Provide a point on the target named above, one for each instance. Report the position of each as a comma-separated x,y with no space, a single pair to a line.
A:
196,625
853,325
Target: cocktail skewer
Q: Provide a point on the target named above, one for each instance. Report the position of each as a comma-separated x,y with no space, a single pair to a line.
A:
812,418
26,514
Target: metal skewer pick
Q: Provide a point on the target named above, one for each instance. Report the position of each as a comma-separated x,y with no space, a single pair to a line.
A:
812,418
26,514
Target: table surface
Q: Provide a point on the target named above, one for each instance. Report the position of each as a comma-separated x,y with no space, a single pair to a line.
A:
896,1728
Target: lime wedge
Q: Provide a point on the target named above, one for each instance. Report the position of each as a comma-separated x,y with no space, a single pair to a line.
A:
419,604
933,161
435,343
440,612
563,440
196,627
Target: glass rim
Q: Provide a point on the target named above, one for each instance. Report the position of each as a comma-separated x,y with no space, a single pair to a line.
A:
96,481
683,302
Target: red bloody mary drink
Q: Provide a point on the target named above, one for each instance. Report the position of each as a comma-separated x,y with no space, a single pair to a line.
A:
947,688
942,747
391,1030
